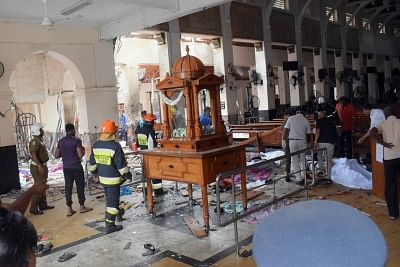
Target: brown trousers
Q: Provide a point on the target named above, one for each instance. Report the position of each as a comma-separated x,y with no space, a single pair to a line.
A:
38,200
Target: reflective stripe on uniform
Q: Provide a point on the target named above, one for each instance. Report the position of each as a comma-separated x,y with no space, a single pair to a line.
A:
110,221
157,186
112,211
142,139
124,170
103,155
92,168
110,180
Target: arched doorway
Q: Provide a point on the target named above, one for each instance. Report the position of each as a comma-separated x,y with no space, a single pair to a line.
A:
44,86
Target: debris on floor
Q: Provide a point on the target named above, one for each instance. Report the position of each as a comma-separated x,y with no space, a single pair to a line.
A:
128,245
43,247
125,190
229,206
194,226
258,217
151,250
66,256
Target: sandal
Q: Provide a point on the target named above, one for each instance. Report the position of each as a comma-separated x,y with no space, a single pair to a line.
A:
70,214
86,210
66,256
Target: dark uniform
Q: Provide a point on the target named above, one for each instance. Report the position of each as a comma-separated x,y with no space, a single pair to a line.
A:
142,141
37,146
108,159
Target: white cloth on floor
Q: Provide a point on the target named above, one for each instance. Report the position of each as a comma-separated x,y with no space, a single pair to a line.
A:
350,173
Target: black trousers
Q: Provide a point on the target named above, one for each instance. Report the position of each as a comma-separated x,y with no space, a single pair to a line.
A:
345,145
392,170
112,194
71,175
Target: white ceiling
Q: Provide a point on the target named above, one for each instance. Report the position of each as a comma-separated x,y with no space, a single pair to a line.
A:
113,17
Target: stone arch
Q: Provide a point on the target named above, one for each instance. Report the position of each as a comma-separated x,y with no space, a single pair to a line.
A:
43,70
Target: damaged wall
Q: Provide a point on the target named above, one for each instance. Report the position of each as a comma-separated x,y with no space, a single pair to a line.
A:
89,60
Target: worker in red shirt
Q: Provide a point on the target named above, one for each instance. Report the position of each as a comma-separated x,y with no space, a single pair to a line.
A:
346,112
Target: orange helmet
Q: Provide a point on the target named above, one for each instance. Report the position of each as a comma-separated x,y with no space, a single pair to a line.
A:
149,117
109,126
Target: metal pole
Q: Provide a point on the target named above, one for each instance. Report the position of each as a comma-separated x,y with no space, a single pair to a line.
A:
235,228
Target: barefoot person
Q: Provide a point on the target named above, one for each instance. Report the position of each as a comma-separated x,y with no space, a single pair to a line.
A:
71,151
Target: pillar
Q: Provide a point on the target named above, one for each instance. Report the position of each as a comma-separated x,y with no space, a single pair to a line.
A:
223,63
265,91
308,86
319,64
372,83
356,66
96,105
297,90
387,69
339,68
396,62
283,83
169,52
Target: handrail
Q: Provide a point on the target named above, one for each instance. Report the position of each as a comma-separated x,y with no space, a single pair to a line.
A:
236,171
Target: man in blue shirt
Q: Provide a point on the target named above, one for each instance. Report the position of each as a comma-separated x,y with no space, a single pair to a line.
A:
71,151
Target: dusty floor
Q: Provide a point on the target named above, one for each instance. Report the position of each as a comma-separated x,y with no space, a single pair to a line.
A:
178,247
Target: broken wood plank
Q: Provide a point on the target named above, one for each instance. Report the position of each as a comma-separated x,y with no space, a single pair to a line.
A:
194,226
184,192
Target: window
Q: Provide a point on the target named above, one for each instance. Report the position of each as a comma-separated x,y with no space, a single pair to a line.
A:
329,11
365,24
396,32
281,4
381,28
350,20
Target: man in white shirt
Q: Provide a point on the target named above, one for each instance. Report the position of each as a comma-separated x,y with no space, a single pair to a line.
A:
295,131
376,116
390,139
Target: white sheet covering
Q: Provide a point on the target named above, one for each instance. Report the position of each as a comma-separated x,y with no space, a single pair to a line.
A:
350,173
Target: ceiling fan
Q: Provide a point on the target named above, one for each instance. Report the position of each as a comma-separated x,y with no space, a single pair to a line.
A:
46,22
49,23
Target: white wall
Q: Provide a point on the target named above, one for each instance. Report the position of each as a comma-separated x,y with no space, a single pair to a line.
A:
243,56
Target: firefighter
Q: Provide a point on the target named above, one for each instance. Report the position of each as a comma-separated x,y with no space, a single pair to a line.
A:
108,161
146,139
38,168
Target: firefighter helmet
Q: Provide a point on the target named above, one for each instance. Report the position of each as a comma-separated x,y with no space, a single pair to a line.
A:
109,126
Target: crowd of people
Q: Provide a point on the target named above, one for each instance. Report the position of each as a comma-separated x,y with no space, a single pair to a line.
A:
333,132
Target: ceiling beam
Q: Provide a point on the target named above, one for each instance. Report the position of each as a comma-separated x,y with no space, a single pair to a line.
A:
366,2
163,4
359,8
144,17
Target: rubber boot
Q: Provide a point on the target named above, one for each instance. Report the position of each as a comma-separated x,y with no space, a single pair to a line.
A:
112,227
120,214
110,224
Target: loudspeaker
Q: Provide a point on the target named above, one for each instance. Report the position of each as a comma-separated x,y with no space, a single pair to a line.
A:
322,74
290,65
160,37
290,49
338,53
317,52
258,46
216,42
371,70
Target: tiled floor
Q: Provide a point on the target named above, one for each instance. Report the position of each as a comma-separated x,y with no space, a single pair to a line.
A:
178,247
